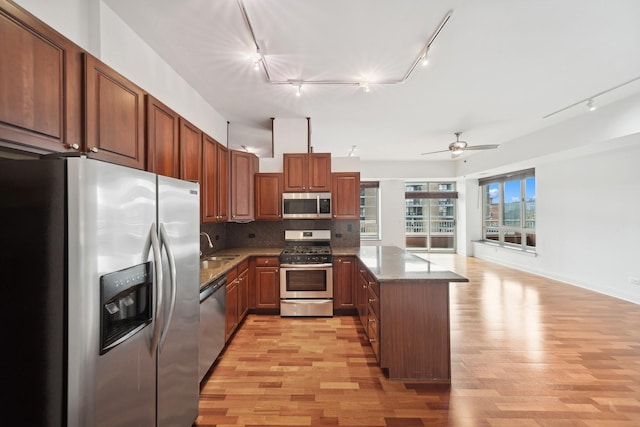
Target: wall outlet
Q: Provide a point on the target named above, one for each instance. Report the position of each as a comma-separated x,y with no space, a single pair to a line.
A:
634,280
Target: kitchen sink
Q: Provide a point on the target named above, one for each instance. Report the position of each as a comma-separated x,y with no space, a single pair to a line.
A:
215,261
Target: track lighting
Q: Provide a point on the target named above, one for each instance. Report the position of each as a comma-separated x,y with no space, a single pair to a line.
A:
353,149
298,89
257,58
260,61
365,86
590,105
425,57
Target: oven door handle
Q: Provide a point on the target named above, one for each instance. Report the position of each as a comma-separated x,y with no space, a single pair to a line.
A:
307,266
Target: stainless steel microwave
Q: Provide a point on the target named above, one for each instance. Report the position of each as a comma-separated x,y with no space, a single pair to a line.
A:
306,205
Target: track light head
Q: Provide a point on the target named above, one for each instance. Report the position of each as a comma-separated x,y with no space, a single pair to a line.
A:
590,105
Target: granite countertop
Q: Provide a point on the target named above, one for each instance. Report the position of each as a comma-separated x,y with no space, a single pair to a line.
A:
393,264
386,263
207,275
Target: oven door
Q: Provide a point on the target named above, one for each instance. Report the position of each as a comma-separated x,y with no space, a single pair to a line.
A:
306,281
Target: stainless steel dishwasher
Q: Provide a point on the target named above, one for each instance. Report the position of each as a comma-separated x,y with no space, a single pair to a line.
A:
212,323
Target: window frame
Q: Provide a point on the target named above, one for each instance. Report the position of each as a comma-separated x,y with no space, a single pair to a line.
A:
364,235
526,233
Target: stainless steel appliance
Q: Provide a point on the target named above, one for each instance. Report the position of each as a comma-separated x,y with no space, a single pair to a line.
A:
306,205
306,274
100,303
212,323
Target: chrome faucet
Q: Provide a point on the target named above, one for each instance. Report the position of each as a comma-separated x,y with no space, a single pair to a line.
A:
208,239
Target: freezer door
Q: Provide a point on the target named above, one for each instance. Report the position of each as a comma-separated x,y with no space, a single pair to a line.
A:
178,382
111,210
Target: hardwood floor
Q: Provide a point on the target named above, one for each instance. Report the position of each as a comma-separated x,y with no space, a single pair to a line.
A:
526,351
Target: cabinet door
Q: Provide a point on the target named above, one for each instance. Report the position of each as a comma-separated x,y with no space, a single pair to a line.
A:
268,189
223,183
162,138
344,282
243,294
190,151
319,172
41,79
345,195
361,296
114,109
267,287
243,167
295,171
231,309
209,185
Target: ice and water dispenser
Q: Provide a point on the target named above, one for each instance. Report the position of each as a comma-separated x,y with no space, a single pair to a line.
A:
126,302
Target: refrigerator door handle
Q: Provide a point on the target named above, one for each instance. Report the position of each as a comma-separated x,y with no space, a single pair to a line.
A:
152,243
164,242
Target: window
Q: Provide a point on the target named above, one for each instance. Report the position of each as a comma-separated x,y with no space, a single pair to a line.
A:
369,210
510,209
430,216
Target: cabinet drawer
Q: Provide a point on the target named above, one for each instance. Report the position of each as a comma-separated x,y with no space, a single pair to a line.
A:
374,302
232,274
244,265
373,325
262,261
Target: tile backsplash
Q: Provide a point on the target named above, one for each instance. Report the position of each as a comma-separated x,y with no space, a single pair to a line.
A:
262,234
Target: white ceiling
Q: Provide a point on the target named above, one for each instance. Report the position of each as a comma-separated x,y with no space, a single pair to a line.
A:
495,70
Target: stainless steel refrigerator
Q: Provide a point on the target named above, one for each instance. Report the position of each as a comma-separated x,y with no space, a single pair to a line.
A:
100,295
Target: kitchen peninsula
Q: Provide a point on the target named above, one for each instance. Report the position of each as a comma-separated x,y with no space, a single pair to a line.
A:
403,304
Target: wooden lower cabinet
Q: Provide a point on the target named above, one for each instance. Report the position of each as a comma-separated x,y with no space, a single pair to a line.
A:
407,325
243,290
265,289
344,281
231,305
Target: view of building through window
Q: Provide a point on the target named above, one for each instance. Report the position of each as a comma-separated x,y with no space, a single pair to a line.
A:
510,209
430,215
369,211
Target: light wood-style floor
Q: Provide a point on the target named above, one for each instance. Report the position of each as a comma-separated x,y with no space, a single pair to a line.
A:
526,351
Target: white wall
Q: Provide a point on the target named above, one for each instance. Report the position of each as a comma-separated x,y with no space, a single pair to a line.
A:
588,193
93,26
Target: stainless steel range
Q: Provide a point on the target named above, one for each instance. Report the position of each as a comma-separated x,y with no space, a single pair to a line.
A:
306,274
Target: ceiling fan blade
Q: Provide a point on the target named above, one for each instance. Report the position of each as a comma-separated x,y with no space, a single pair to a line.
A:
482,147
434,152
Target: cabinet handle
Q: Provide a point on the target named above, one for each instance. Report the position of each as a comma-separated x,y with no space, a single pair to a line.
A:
372,320
372,340
94,149
74,146
371,283
372,300
364,286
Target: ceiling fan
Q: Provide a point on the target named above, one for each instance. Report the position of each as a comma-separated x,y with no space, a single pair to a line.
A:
458,147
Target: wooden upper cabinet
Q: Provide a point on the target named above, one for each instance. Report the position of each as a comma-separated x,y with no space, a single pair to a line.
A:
268,190
40,85
345,194
162,139
319,172
243,167
114,109
304,172
190,151
208,189
223,182
215,180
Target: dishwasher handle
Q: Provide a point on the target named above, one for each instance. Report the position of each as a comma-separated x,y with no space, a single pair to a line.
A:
209,290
